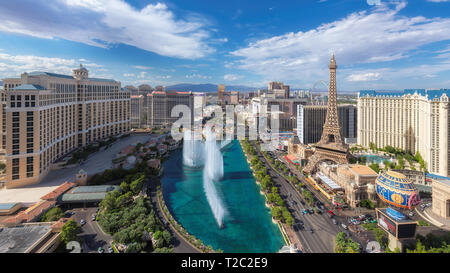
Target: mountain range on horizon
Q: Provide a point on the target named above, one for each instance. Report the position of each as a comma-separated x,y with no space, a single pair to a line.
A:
210,88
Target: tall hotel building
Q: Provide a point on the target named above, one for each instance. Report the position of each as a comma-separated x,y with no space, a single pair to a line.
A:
161,103
137,111
412,120
48,115
311,118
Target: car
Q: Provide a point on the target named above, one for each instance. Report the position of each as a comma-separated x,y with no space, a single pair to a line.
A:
311,230
93,217
303,203
110,250
82,222
100,250
344,226
304,211
97,209
334,221
411,214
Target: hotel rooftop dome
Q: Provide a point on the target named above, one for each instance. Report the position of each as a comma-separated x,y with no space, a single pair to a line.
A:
397,190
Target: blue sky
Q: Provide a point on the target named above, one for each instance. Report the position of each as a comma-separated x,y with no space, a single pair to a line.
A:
379,44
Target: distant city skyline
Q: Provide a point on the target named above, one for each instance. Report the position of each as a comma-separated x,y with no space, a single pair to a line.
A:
382,45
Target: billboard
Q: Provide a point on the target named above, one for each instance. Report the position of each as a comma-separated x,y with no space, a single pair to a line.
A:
400,229
387,224
406,230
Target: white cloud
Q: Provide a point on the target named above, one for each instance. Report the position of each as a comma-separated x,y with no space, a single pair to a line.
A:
14,65
374,36
374,2
129,75
142,75
438,1
104,23
141,67
197,76
364,77
231,77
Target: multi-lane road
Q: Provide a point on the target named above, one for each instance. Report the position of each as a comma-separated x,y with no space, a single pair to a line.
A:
92,235
324,231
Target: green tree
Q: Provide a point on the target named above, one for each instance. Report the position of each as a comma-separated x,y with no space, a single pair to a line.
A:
286,214
375,167
344,244
69,231
340,242
164,250
290,221
53,214
277,213
136,185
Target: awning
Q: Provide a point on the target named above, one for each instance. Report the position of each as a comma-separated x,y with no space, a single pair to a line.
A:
292,159
328,181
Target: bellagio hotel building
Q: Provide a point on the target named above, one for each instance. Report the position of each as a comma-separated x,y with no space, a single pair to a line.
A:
412,120
47,115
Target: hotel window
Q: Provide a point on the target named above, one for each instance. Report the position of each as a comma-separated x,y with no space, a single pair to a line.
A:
30,167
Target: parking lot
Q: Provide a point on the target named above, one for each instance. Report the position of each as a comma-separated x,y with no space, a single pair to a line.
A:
95,163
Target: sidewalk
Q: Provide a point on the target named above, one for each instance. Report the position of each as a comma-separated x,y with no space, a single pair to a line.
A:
293,238
434,219
180,244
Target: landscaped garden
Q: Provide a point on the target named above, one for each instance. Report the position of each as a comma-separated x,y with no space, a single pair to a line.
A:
278,207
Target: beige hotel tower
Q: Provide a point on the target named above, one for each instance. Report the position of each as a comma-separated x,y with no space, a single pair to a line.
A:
412,120
47,115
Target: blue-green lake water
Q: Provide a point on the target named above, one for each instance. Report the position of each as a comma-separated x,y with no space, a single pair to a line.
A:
248,226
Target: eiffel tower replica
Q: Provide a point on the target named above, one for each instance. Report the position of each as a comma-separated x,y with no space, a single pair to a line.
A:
331,146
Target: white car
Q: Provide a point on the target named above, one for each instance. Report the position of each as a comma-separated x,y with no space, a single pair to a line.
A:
82,222
344,226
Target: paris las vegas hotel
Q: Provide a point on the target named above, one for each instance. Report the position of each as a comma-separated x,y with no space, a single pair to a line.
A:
44,116
412,120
